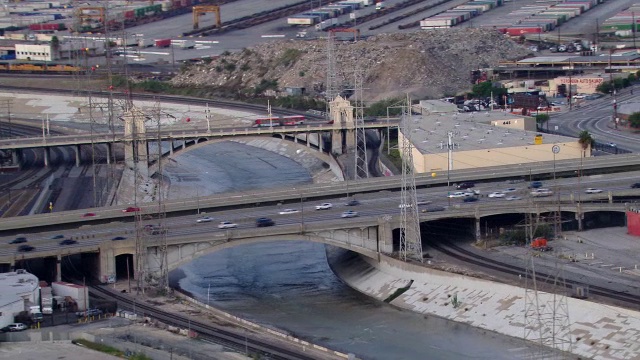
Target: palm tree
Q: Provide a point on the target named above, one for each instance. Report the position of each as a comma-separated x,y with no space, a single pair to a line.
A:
585,140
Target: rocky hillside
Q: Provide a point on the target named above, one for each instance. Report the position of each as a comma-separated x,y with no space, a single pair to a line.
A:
427,64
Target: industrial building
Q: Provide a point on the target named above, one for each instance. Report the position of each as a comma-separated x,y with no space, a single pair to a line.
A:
17,289
482,139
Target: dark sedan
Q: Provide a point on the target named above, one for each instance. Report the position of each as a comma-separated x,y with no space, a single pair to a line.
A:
18,240
25,248
68,242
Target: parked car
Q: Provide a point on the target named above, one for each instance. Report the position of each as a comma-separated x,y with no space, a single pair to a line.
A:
324,206
204,219
593,191
131,209
288,211
264,222
25,248
18,240
68,242
349,214
14,327
352,202
227,225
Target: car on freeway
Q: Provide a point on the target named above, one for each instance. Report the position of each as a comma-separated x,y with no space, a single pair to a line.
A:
119,238
352,202
264,222
18,240
68,242
635,185
131,209
55,237
612,144
465,185
423,202
512,198
593,191
470,199
457,194
349,214
204,219
541,192
89,214
288,211
509,190
14,327
324,206
434,208
25,248
535,185
227,225
496,194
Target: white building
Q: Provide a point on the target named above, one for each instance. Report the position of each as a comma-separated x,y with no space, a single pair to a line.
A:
16,289
35,52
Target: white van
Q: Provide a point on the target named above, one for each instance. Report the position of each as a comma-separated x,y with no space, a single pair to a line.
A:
47,310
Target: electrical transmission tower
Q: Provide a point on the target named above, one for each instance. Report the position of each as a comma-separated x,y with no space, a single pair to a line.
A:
410,239
361,161
163,281
546,306
331,88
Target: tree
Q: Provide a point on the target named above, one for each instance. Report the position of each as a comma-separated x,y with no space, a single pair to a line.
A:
634,120
585,140
541,119
486,88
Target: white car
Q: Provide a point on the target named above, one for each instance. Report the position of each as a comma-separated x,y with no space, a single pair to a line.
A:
288,211
458,194
17,327
593,191
496,194
227,225
205,219
511,198
325,206
541,193
349,214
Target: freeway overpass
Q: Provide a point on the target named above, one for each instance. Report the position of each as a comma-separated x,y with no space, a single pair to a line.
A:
371,234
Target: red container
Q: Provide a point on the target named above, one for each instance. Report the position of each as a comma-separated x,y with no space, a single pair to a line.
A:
163,43
131,14
517,31
35,27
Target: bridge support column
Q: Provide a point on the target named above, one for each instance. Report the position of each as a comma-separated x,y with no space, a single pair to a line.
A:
336,142
579,217
351,139
320,143
15,156
12,265
107,264
109,149
478,231
77,148
46,156
59,268
170,147
308,136
184,144
385,237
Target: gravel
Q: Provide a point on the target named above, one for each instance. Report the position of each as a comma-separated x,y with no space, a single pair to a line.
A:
426,64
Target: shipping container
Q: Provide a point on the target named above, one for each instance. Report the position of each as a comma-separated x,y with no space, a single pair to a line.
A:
303,20
130,14
320,14
436,23
522,30
79,293
354,5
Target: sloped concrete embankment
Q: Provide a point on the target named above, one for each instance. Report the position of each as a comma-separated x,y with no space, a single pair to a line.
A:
597,331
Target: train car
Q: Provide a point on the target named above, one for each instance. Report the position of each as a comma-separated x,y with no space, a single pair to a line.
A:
38,68
279,121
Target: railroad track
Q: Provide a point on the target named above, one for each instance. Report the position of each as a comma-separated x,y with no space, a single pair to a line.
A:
238,342
226,104
467,256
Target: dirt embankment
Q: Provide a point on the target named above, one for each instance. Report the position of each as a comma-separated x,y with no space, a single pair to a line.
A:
427,64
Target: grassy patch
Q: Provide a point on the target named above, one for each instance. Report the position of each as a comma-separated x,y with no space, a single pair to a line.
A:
289,57
109,350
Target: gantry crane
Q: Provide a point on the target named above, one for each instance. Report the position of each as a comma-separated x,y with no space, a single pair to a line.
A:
203,9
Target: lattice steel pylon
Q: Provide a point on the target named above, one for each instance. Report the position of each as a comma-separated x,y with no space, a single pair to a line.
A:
361,160
410,238
546,309
163,281
331,88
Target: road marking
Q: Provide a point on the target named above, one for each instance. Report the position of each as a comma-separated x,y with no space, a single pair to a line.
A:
202,47
273,36
207,42
154,53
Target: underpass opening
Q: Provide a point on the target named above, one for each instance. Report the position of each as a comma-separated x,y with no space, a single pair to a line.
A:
44,268
596,220
124,267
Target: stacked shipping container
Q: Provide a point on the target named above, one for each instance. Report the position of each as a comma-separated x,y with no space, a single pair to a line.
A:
624,23
458,14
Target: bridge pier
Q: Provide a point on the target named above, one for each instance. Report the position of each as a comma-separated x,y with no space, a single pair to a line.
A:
77,149
107,263
478,230
579,216
59,268
385,237
336,142
15,156
46,156
109,149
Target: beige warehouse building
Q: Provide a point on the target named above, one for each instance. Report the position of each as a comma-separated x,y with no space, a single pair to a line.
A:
483,139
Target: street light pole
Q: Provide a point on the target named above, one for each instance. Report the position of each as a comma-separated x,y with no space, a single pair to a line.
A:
208,116
449,164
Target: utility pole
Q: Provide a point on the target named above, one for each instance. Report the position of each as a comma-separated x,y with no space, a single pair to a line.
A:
208,116
449,164
614,93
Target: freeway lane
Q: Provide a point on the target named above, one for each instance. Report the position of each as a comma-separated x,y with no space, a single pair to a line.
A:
595,117
372,207
539,171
